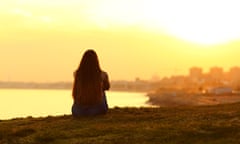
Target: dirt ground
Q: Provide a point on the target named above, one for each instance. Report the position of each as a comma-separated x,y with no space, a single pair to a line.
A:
194,100
217,99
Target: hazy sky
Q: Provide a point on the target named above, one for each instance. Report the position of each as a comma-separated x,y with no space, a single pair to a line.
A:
43,40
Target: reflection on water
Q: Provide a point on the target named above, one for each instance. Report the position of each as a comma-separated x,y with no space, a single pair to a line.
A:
23,103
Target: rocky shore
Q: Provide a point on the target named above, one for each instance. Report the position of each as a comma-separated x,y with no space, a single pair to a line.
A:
168,100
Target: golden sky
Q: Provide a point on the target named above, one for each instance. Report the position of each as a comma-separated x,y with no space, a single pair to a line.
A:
43,40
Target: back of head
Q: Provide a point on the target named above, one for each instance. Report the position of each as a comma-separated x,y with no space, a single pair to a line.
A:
87,86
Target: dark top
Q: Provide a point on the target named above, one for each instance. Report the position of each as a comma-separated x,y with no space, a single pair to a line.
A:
78,110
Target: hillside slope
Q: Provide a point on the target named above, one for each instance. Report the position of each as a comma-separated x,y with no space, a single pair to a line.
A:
219,124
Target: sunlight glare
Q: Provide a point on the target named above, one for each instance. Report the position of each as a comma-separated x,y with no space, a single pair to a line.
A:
21,12
204,22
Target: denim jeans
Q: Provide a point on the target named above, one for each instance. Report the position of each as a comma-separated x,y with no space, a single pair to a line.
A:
102,108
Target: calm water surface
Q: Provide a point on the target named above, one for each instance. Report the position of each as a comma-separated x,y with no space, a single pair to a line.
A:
23,102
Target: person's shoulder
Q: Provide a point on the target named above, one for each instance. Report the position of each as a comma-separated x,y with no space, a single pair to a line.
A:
104,74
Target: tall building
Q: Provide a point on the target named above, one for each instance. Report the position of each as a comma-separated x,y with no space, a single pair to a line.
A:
216,73
195,73
234,74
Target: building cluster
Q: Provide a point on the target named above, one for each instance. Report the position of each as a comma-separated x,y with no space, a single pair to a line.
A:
137,85
215,81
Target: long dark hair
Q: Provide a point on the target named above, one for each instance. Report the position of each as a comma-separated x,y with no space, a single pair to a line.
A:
87,88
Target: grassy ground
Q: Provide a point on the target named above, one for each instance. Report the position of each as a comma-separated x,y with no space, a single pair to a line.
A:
183,125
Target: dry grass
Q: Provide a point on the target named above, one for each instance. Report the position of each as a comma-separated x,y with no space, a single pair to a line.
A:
219,124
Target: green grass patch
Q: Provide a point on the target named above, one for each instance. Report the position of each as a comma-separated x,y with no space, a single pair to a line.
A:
218,124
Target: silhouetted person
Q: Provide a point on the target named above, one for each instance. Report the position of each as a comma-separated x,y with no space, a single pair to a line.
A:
90,83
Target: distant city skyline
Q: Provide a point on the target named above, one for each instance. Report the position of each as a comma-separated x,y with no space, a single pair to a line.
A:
192,72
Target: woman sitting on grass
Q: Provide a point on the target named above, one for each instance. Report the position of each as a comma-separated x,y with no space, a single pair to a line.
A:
90,83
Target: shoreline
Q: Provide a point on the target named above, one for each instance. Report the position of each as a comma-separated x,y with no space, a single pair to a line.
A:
191,100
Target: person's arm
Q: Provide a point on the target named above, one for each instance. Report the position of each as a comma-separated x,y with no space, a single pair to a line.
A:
75,88
106,83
